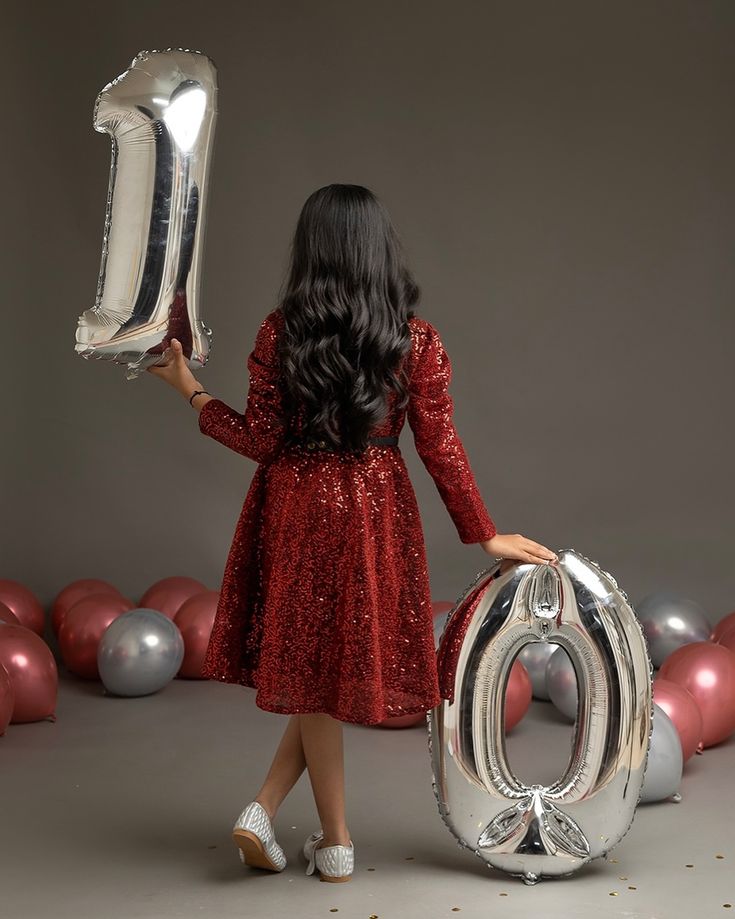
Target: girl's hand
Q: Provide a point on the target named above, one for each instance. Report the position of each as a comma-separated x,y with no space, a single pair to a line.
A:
176,372
513,547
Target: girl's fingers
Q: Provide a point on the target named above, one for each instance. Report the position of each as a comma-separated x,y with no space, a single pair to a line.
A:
535,548
538,559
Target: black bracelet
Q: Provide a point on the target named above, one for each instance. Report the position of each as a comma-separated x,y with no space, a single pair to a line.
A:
198,393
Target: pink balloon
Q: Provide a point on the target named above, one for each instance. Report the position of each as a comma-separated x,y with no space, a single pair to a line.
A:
724,625
518,694
169,594
66,598
32,670
727,639
7,699
402,721
82,629
681,706
24,604
7,615
707,670
441,607
195,619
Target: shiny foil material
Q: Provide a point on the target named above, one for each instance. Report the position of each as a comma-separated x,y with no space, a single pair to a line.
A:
535,830
325,603
160,115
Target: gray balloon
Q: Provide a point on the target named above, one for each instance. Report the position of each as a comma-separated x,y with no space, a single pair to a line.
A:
669,621
561,683
665,760
535,658
140,652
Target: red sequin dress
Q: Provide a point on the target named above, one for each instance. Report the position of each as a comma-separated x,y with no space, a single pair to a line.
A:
325,603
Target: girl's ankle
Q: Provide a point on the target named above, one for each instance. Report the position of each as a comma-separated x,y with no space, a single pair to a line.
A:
267,807
334,841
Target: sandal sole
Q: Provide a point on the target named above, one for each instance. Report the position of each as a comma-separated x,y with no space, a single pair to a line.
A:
254,853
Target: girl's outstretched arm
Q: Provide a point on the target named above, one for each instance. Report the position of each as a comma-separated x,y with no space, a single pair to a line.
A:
430,415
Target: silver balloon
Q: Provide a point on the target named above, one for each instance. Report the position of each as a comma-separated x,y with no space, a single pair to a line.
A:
140,652
534,658
665,760
561,683
669,621
160,115
535,831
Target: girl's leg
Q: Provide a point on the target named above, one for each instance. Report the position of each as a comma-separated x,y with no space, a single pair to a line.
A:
321,738
288,764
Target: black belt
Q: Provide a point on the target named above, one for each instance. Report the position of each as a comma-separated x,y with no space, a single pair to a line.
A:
310,444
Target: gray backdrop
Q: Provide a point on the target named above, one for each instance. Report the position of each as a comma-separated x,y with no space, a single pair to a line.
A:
562,175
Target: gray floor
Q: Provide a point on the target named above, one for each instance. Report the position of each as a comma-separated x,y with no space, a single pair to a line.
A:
123,808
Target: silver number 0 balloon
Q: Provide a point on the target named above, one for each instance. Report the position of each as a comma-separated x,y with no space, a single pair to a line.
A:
160,115
534,831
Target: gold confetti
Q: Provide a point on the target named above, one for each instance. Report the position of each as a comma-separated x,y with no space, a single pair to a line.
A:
371,869
719,856
688,866
622,877
613,893
503,895
613,860
456,909
409,858
632,888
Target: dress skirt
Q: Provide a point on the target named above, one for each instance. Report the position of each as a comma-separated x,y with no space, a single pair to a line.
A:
325,601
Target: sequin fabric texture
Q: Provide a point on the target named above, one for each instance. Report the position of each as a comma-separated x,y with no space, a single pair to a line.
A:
325,602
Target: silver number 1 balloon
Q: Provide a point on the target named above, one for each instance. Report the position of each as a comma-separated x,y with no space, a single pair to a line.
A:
160,115
536,830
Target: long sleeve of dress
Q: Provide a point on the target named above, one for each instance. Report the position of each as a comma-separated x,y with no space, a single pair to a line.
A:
258,433
438,444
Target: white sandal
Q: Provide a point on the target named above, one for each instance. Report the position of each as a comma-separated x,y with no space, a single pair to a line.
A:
253,834
335,863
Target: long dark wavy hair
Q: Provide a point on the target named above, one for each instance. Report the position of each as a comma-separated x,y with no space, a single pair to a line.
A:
346,300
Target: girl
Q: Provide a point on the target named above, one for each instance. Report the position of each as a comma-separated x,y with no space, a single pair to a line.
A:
325,606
